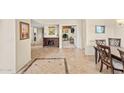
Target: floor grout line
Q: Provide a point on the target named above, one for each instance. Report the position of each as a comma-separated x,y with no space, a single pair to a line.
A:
33,61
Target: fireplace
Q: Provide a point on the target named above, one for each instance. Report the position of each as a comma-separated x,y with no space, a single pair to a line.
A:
51,42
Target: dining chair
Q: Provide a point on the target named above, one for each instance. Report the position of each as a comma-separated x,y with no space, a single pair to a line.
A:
105,55
122,59
99,42
114,42
106,59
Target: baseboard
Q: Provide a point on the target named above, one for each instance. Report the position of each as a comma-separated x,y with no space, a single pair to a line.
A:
21,69
7,71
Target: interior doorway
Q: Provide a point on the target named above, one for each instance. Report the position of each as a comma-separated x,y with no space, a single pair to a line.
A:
37,36
69,36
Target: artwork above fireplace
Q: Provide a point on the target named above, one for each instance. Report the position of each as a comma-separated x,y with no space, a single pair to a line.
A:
51,31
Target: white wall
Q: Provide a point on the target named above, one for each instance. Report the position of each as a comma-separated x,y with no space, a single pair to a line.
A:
91,36
7,46
64,22
23,47
119,33
80,34
14,53
83,34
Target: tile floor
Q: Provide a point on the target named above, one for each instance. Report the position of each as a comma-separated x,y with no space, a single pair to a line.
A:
77,61
48,66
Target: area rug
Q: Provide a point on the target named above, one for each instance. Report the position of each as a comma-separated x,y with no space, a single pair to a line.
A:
47,66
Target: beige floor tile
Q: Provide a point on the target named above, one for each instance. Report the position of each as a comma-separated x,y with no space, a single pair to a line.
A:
77,62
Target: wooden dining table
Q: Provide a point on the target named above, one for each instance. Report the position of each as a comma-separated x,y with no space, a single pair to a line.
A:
114,53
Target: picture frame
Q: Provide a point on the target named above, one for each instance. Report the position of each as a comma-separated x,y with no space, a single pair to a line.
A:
24,30
52,30
100,29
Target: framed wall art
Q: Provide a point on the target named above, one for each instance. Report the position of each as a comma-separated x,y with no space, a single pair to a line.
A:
52,30
100,29
24,30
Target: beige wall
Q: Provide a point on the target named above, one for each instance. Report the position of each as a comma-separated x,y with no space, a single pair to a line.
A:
23,47
14,53
91,36
83,34
7,46
120,33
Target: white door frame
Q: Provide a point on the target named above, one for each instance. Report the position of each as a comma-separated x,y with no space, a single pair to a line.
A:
60,34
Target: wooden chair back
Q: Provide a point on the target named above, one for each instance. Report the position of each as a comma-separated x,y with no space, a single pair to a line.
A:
105,55
122,57
114,42
101,42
